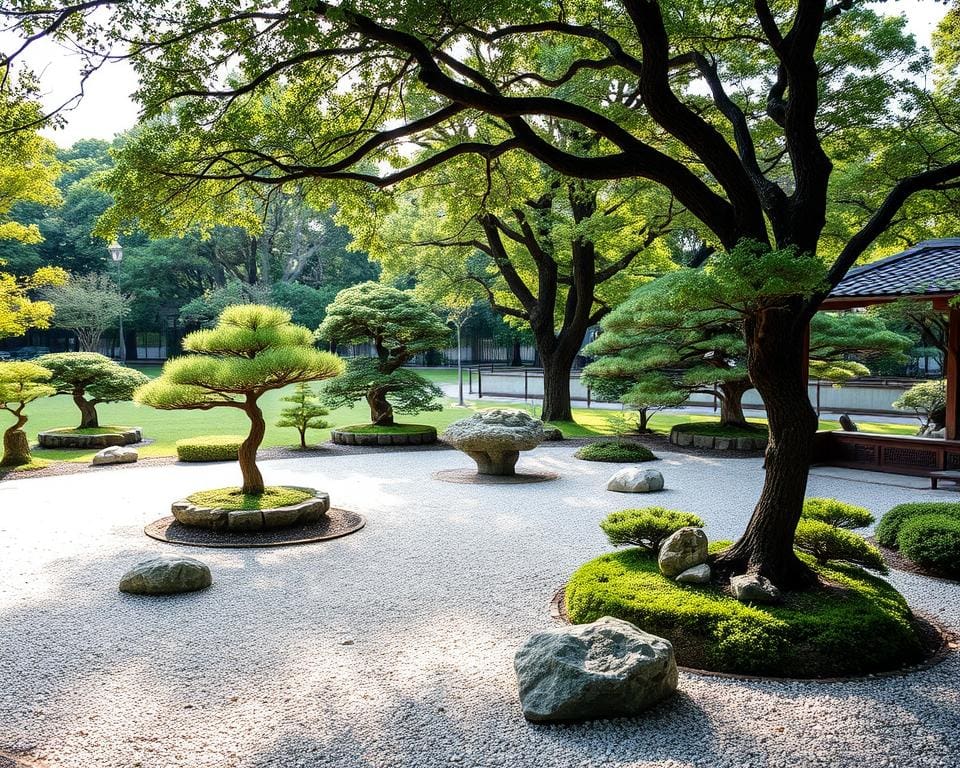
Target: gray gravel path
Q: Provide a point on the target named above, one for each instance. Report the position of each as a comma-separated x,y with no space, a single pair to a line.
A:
394,646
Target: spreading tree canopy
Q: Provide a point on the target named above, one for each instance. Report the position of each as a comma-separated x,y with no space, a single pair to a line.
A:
20,384
757,118
91,379
252,349
398,327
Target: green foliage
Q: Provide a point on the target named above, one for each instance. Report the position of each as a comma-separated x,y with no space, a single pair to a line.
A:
409,392
889,527
209,448
88,305
273,496
19,312
647,527
860,624
837,513
305,413
932,541
90,374
827,542
713,429
393,429
927,400
620,452
22,383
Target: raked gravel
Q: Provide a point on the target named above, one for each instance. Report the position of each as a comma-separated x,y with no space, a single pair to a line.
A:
394,646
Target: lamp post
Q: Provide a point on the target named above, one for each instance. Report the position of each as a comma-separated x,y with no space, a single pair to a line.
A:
116,253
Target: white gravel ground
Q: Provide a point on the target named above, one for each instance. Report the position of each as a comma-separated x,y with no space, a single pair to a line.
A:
394,646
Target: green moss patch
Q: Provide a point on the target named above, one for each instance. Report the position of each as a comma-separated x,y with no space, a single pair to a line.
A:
272,497
889,527
856,624
714,429
209,448
110,430
615,452
31,465
395,429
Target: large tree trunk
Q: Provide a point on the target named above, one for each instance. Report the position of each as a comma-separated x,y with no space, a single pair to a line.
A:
516,360
774,353
381,412
252,479
556,386
88,411
731,403
16,447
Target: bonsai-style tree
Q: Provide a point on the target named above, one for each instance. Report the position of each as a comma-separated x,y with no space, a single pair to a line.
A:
252,349
305,413
928,401
399,327
20,384
91,379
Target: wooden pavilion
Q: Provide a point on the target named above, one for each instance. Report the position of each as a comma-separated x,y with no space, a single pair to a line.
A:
929,271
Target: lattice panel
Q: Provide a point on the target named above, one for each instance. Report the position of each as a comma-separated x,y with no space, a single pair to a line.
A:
910,457
858,452
951,461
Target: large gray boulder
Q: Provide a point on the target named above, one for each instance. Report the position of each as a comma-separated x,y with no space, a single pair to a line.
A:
166,575
636,480
681,550
753,588
115,454
609,668
494,438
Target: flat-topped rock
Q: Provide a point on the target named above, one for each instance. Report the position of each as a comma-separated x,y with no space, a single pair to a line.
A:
494,438
115,454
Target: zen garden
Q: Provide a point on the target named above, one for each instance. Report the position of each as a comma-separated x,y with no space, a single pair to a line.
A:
413,384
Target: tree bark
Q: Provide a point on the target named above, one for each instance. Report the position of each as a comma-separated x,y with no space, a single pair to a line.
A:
556,386
774,352
88,411
252,479
731,403
16,447
381,412
303,437
516,360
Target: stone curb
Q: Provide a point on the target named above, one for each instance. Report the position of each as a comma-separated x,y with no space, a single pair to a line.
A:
426,437
714,443
55,438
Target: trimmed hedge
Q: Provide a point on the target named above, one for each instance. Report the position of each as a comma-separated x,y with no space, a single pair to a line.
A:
615,452
889,527
393,429
715,429
858,625
646,527
932,541
827,542
209,448
837,513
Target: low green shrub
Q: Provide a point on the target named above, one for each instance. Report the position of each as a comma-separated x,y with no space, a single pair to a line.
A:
715,429
826,542
273,496
615,452
932,541
889,526
837,513
209,448
859,624
393,429
646,527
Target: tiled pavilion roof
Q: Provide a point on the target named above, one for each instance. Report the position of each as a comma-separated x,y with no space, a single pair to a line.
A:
930,268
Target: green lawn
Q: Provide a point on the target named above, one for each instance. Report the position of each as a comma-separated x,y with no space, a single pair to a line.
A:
164,428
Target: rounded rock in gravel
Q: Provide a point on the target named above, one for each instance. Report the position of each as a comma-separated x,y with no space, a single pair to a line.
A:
636,480
166,575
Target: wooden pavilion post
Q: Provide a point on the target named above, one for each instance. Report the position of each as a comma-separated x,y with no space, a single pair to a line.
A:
953,373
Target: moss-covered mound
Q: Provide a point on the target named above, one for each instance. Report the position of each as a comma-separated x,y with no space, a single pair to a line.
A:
230,499
615,452
889,527
857,624
209,448
394,429
107,430
715,429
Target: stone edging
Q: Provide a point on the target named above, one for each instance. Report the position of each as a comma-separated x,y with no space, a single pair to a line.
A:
427,437
949,642
712,442
302,513
55,438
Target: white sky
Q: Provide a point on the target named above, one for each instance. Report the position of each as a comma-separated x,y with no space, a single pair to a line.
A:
108,108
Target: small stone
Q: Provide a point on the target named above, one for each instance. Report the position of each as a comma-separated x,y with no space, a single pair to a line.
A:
551,433
699,574
636,480
609,668
115,454
681,550
166,575
753,588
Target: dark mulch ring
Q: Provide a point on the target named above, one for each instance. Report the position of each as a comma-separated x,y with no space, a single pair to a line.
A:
336,523
938,641
471,476
898,562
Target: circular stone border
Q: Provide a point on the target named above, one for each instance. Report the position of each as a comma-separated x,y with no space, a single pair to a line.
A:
306,512
336,523
427,437
63,438
949,642
472,477
686,439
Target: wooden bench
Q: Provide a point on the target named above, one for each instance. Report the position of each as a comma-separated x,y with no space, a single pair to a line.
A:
946,474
